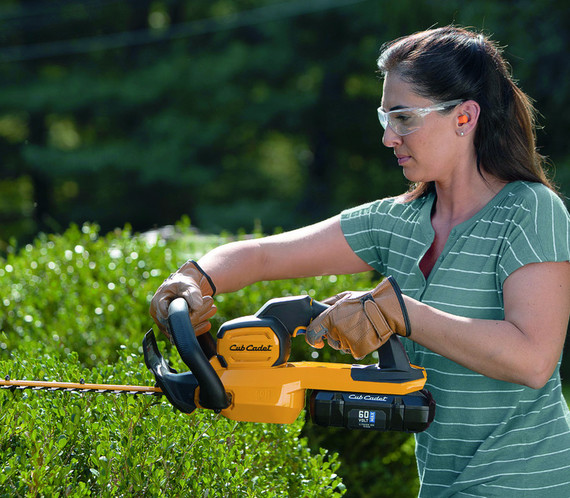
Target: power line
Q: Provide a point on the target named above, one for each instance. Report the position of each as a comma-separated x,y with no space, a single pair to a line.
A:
43,8
39,15
177,31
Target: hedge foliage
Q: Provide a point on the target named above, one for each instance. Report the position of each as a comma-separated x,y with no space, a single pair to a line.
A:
75,306
69,444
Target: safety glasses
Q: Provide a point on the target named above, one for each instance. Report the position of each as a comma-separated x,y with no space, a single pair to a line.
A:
409,119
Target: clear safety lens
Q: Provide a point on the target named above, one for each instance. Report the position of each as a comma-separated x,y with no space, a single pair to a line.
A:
407,120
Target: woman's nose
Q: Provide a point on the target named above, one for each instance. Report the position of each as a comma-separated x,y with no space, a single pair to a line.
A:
391,138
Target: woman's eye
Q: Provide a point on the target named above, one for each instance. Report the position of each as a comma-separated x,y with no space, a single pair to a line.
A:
402,117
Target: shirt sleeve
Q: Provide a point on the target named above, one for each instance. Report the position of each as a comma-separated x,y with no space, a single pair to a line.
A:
356,224
539,230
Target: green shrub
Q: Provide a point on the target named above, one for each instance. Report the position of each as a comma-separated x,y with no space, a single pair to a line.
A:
76,306
118,445
84,293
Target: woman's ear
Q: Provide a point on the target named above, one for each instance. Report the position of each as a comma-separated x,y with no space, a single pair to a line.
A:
467,116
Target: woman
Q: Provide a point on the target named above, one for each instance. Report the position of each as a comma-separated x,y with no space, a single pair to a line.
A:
480,249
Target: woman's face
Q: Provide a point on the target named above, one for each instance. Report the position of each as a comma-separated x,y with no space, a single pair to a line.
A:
429,153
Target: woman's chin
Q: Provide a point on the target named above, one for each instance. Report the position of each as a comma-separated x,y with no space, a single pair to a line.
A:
410,175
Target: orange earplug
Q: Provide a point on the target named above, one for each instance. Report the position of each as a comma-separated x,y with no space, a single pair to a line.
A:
462,119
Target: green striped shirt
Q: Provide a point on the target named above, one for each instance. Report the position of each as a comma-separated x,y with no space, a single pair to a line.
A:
489,437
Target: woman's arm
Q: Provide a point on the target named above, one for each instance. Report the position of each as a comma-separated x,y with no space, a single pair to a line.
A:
524,347
318,249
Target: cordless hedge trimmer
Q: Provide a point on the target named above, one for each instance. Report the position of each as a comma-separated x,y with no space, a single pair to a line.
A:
245,375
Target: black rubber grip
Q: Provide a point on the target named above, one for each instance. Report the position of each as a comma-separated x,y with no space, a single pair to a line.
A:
212,392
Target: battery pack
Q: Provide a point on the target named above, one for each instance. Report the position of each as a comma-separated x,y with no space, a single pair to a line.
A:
380,412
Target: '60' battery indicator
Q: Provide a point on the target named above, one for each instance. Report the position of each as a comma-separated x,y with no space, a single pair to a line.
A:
367,416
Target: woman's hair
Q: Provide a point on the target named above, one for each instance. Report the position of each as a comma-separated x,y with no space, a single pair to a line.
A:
454,63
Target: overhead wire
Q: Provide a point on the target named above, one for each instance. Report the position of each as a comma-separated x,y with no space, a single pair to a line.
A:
43,8
176,31
34,17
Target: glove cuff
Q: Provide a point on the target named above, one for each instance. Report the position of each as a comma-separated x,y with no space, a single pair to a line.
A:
212,290
398,293
389,306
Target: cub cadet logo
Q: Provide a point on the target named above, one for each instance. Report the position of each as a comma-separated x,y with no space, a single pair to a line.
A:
367,397
250,347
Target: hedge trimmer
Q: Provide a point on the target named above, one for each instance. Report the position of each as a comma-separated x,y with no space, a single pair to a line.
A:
245,374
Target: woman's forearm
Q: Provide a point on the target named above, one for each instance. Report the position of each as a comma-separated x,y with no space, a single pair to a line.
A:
233,266
524,347
318,249
495,348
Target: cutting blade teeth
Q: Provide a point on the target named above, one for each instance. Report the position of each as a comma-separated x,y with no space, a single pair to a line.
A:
80,387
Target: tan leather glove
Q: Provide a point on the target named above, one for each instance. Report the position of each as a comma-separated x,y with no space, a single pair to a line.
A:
196,287
360,322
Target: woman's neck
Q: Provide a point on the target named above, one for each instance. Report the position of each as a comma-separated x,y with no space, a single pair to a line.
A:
458,201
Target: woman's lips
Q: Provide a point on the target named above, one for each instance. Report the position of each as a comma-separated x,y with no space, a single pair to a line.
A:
403,159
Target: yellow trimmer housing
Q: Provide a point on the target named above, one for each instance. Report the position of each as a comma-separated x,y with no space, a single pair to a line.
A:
246,375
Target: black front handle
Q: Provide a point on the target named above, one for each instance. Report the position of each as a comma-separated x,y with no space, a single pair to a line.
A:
294,312
212,392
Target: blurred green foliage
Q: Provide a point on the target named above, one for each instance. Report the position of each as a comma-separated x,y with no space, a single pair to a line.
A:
230,111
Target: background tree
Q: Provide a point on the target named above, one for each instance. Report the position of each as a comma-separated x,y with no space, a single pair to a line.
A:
229,111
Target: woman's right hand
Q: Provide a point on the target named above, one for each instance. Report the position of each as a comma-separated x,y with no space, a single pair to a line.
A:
196,287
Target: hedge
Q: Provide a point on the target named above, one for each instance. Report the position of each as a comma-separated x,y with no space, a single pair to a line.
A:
76,306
